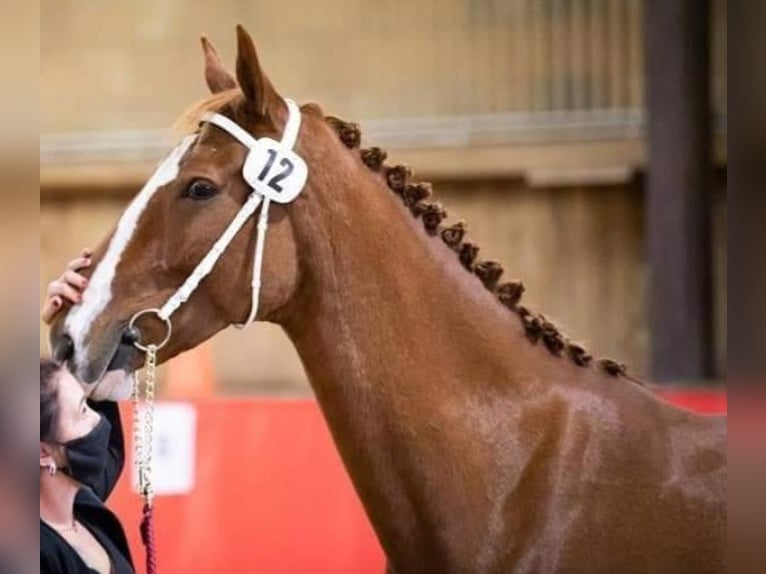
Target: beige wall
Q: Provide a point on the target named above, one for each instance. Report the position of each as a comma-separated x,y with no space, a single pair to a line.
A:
130,65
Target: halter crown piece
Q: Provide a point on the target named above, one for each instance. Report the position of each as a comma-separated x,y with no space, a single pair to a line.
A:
275,173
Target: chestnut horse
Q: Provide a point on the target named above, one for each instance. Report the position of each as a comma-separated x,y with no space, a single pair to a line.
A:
478,438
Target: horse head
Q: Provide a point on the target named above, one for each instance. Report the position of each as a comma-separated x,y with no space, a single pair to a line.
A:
181,213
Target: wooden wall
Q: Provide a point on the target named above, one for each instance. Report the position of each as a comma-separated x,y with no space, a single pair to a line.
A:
129,65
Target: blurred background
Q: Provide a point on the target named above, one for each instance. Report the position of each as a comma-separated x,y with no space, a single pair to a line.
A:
584,142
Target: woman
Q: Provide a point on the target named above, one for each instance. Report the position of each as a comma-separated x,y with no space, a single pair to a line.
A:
81,457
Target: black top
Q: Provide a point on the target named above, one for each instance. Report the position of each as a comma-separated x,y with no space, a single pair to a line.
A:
56,554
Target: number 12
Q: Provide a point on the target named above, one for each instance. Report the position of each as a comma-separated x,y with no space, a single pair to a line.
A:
273,183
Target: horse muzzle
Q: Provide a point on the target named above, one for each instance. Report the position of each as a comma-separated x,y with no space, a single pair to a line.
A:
109,374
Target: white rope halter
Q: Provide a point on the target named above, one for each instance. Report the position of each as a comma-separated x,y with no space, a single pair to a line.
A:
275,173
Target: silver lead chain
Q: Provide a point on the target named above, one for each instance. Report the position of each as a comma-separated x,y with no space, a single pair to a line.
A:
143,424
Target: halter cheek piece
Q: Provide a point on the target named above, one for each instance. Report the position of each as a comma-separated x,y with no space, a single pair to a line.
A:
275,173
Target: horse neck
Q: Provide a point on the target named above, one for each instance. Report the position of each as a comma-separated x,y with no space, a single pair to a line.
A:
409,356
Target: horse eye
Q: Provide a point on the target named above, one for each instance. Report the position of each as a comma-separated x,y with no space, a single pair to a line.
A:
201,189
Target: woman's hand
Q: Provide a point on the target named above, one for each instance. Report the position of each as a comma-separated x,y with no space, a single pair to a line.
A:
67,287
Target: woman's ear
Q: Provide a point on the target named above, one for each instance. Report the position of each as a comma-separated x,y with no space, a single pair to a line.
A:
47,456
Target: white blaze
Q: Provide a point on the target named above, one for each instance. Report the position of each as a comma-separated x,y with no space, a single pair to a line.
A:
97,295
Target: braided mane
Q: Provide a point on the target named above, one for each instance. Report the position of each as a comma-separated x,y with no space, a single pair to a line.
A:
415,195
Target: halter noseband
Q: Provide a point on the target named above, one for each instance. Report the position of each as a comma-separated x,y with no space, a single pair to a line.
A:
275,173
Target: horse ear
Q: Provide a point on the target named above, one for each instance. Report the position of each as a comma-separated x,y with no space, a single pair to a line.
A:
216,76
254,83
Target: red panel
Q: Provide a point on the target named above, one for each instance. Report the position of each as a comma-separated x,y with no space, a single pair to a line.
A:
703,401
271,494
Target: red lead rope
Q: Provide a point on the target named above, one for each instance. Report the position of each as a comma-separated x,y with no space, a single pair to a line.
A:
147,537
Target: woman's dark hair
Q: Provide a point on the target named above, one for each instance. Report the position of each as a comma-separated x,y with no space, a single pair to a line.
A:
49,407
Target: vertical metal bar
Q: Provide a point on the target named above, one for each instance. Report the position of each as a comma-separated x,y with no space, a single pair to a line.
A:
597,53
678,199
558,59
616,44
523,56
635,54
578,42
539,60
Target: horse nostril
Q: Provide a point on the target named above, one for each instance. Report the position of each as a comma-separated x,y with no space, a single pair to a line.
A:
64,350
131,336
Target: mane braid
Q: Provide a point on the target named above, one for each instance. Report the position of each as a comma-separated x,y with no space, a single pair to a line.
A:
413,195
373,158
350,133
453,235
